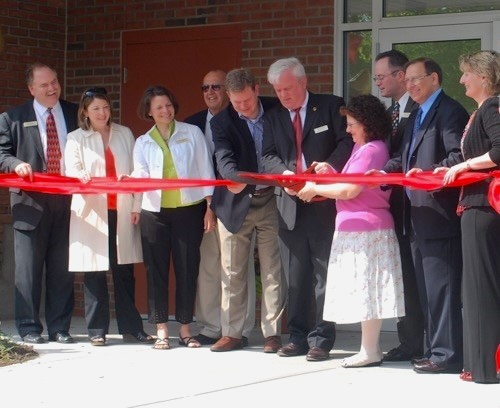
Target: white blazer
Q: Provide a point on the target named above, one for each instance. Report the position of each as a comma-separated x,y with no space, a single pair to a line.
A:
88,235
191,161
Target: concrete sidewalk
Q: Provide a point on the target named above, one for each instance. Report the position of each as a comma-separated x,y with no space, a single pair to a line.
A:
132,375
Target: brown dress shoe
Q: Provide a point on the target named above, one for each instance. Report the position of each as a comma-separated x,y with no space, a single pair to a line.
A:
272,344
317,354
227,343
292,350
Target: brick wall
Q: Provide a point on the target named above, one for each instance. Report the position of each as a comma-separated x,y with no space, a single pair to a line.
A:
36,30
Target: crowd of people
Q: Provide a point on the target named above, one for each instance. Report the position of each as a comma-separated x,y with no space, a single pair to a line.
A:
328,253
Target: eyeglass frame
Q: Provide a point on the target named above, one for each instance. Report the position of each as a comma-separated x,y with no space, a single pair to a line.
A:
214,87
415,81
91,92
380,78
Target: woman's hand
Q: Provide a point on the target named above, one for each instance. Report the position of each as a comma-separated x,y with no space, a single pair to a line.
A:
323,168
452,172
135,218
307,192
122,176
84,176
209,221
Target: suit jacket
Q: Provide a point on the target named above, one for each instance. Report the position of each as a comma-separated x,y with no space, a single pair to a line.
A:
234,152
437,143
398,195
20,142
198,119
324,140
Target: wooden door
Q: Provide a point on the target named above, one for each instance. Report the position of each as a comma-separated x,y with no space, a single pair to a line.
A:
177,58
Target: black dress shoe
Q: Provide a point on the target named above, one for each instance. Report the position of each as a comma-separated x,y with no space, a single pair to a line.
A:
396,354
317,354
61,337
429,367
205,340
139,337
292,350
34,338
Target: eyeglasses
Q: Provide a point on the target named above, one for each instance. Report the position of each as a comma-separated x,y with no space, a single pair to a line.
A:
214,87
95,91
380,78
415,81
351,124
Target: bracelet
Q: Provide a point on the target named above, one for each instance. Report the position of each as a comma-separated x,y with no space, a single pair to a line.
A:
468,164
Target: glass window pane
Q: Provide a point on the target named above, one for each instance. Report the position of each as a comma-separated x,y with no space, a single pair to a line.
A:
446,54
398,8
357,11
357,63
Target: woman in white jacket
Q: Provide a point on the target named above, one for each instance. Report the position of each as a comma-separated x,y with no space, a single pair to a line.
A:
172,220
104,230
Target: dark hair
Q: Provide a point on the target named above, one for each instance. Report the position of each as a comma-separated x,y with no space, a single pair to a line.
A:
145,103
88,96
371,113
238,79
396,58
32,68
430,67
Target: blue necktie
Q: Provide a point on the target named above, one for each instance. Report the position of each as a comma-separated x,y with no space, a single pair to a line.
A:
416,126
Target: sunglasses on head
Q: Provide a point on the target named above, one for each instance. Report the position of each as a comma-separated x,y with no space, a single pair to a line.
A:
215,87
95,91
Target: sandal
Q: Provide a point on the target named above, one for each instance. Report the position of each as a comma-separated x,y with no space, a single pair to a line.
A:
189,341
466,376
98,341
161,344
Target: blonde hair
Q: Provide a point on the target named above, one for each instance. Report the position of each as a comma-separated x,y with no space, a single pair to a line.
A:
485,64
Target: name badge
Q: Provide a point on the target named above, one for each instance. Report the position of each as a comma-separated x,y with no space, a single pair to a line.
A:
320,129
181,141
30,124
405,115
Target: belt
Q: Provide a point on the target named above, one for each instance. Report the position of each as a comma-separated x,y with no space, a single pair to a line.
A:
263,191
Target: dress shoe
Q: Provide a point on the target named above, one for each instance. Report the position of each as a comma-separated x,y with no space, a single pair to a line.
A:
397,354
139,337
61,337
227,343
292,350
418,360
33,337
272,344
205,340
430,367
317,354
244,341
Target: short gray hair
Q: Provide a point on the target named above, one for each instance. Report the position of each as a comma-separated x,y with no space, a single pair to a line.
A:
278,67
239,79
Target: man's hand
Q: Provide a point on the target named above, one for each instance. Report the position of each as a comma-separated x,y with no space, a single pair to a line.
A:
24,170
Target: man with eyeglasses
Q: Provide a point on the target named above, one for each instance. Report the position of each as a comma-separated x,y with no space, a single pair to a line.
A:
432,139
208,294
32,139
389,77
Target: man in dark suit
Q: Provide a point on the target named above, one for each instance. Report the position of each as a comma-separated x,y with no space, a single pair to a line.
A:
432,139
389,76
243,210
208,293
40,220
306,229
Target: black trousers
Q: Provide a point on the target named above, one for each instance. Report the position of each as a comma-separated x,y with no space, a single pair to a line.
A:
41,253
175,232
97,296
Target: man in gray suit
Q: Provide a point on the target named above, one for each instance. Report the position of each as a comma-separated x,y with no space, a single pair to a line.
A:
306,229
40,220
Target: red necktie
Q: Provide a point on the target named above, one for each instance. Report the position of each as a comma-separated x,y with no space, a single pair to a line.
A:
297,128
53,150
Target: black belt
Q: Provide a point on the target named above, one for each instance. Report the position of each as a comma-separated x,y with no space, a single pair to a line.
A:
263,191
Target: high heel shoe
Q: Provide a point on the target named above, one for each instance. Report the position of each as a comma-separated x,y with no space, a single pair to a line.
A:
466,376
98,341
189,341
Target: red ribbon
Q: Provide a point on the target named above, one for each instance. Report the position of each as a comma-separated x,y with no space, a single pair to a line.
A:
54,184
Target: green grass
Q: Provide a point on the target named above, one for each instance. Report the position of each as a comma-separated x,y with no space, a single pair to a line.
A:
13,353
